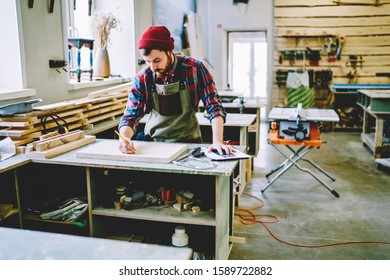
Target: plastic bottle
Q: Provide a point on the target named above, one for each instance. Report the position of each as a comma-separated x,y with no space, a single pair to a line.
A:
180,237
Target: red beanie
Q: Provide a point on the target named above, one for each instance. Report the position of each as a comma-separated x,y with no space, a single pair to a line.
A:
157,38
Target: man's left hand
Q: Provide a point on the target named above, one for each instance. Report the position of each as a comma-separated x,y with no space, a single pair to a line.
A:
221,148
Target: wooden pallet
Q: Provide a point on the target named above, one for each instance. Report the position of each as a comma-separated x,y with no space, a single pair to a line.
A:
80,113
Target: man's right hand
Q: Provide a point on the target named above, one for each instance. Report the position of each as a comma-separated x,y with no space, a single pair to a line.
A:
127,148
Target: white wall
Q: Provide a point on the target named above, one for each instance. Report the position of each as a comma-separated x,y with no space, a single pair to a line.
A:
221,15
10,71
43,39
121,48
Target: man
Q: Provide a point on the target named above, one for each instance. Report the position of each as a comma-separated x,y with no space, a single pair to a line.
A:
169,89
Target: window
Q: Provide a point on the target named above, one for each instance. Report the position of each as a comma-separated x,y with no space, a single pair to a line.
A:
78,22
13,77
247,62
122,53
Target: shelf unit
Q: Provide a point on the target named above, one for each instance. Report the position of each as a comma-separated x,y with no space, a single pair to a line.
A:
209,230
376,107
9,189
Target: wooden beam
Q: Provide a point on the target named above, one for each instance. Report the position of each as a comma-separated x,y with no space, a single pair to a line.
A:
334,11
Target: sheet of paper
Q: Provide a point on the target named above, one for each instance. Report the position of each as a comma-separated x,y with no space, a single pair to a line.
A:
233,156
7,148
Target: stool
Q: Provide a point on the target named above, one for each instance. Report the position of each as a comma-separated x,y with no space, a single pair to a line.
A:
297,154
79,43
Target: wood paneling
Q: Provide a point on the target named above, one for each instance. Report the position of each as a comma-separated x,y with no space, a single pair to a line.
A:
364,26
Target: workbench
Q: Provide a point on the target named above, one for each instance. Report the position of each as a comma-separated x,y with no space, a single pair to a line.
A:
18,244
233,120
209,230
376,106
249,106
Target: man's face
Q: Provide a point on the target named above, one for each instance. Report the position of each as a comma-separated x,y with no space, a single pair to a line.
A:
158,61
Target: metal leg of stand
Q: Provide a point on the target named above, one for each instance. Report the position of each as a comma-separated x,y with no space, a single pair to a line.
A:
292,162
320,169
311,162
318,179
295,153
277,176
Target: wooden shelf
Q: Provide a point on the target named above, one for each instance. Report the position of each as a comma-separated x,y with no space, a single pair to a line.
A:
160,214
37,218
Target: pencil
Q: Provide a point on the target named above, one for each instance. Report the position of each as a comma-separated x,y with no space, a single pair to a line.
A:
124,140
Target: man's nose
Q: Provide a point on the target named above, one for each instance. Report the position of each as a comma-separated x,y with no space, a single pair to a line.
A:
153,66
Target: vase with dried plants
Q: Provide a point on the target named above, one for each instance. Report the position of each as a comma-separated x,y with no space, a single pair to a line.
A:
102,24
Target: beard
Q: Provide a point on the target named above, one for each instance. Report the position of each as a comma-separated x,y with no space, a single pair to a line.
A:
161,71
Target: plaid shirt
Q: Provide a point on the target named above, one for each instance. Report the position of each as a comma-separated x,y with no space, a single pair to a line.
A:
199,83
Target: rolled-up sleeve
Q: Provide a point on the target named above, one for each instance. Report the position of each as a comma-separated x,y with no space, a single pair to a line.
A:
135,105
209,94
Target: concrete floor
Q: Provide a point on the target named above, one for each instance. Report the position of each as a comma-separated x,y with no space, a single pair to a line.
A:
309,214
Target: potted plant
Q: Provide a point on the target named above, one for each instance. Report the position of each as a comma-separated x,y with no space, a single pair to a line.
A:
102,24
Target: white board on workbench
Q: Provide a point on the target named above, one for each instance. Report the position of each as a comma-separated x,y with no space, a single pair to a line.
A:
156,152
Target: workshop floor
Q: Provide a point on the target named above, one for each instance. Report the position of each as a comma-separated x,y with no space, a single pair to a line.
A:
309,214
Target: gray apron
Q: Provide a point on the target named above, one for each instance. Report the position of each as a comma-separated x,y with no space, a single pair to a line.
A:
172,117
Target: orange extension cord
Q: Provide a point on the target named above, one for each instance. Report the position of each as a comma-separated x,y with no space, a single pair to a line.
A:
249,218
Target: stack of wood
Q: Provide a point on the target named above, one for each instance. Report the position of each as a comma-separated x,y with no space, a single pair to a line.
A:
81,113
54,143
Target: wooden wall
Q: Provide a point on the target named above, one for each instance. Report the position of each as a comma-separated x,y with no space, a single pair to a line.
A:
364,25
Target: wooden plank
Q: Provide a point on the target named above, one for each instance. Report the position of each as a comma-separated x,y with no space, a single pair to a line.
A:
146,151
22,142
362,2
103,105
55,107
120,88
311,3
362,80
104,110
308,3
368,60
59,140
16,118
53,135
110,96
236,239
105,116
334,11
34,135
367,41
339,31
362,50
16,124
62,149
318,42
48,135
17,132
332,21
52,124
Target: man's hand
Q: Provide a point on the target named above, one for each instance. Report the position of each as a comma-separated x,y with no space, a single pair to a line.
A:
126,146
218,144
221,148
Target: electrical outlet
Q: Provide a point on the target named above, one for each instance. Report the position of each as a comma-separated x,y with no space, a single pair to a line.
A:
57,63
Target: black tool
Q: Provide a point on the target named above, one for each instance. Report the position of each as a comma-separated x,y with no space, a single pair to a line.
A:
62,128
197,152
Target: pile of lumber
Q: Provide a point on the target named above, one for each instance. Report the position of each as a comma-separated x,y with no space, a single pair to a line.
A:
81,113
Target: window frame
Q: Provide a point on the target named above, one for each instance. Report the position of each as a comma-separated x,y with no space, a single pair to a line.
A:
19,89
